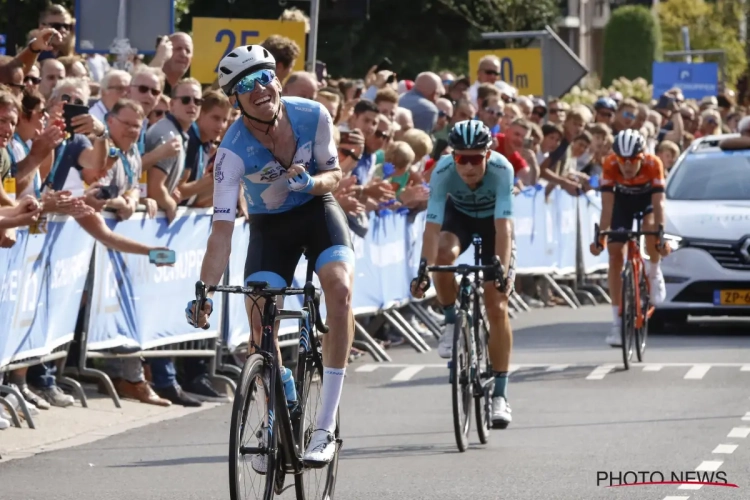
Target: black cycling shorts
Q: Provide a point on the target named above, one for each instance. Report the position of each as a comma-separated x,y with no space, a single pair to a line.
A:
277,241
624,211
465,227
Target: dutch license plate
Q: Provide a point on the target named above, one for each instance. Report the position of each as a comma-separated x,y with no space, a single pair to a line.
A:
732,298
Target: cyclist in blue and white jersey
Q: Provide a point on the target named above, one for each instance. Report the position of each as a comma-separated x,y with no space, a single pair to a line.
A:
283,152
471,192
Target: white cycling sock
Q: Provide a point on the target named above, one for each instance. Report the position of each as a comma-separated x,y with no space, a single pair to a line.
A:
653,268
615,315
330,396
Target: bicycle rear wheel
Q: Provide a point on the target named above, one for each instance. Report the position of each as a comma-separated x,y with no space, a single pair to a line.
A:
251,404
483,393
461,381
641,334
312,484
627,324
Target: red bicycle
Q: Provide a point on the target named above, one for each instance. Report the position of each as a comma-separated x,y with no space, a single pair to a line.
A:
635,306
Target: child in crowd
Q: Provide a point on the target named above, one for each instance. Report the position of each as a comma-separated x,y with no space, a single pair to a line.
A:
401,156
668,152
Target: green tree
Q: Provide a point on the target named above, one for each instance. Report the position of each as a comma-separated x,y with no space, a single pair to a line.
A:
711,26
632,43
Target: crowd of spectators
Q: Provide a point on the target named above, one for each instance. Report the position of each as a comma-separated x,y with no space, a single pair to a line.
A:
148,139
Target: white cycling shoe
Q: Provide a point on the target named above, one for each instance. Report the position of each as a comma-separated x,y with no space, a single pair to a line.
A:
658,287
614,338
445,346
321,449
501,416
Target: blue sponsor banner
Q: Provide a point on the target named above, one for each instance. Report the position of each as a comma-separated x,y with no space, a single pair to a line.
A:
237,330
565,212
41,289
696,80
589,211
137,303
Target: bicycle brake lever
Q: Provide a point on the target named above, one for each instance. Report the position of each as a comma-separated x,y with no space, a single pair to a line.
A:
200,301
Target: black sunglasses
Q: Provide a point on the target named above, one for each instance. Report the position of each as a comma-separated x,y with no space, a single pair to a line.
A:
382,135
32,80
158,113
60,26
19,86
443,114
68,99
144,89
350,154
491,72
185,99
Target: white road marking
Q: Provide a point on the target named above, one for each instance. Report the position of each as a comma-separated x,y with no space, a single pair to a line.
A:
367,368
746,418
676,498
690,487
407,373
600,372
556,368
745,368
725,448
709,465
739,432
697,372
652,368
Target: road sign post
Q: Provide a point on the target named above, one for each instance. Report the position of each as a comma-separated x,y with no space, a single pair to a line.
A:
560,67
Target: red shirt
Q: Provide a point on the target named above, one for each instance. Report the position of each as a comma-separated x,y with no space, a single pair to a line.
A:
515,159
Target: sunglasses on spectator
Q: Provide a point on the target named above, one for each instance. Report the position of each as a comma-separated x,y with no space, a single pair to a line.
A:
443,114
32,80
491,72
382,135
60,26
186,99
67,98
494,111
469,159
144,89
628,115
606,114
553,111
158,113
248,82
540,112
711,121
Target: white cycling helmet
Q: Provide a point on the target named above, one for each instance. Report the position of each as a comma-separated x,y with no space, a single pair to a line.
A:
629,144
240,62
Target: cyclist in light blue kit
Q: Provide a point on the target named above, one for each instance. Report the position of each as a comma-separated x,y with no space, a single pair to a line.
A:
283,152
471,192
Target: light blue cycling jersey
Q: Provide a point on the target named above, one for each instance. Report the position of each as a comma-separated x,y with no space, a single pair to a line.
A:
242,159
493,196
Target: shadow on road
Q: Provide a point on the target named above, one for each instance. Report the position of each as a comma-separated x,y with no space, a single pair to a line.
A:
396,451
174,461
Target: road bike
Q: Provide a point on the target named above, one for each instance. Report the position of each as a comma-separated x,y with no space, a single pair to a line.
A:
635,306
470,367
282,433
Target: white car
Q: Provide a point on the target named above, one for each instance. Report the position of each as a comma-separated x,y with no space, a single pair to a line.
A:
708,227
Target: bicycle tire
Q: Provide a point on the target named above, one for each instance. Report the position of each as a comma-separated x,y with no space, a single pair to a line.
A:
483,401
627,323
253,371
307,367
641,334
461,381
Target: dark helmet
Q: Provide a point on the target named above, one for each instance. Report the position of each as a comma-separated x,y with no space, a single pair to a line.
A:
470,134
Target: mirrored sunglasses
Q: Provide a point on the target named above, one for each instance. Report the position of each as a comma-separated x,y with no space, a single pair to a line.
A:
248,82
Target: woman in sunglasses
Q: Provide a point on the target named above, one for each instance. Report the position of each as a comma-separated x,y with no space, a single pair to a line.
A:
632,182
471,193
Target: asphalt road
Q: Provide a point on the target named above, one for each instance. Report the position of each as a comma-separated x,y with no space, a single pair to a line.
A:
576,414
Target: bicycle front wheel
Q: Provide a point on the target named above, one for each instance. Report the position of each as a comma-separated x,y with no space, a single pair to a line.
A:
483,393
627,323
252,436
461,380
312,484
641,334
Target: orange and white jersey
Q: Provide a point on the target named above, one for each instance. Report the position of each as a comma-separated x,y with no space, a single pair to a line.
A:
649,179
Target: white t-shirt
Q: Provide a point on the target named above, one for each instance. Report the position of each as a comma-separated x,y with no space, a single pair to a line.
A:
98,111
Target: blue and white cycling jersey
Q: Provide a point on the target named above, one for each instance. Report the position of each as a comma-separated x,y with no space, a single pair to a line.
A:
493,196
241,158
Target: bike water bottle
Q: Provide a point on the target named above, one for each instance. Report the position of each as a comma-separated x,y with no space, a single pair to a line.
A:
290,391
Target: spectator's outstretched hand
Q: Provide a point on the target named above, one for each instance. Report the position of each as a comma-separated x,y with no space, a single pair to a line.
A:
414,194
45,39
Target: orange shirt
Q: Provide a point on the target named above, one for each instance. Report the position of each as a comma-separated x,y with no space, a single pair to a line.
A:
649,179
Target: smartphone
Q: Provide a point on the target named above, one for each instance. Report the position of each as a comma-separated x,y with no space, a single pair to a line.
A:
528,143
344,137
320,70
384,64
107,192
665,102
159,40
165,257
358,93
70,111
391,78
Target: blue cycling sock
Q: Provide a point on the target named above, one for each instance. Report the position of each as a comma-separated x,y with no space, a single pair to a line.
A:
450,313
501,385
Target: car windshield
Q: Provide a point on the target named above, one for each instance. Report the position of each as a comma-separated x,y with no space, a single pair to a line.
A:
712,176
